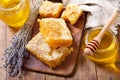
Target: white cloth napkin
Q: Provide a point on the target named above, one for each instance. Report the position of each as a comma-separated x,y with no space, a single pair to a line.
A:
99,11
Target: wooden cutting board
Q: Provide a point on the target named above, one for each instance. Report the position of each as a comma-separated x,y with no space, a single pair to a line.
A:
67,66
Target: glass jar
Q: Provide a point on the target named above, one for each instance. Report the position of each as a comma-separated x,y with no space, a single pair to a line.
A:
108,50
14,12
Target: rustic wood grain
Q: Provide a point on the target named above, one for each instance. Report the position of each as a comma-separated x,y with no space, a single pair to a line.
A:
53,77
33,76
2,48
28,75
84,70
103,74
40,76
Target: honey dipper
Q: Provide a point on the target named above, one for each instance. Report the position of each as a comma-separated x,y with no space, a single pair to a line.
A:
94,44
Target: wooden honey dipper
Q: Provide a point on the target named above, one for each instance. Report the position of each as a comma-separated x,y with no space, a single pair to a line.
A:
94,44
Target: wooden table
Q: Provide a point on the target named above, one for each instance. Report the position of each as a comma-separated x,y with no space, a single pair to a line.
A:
83,69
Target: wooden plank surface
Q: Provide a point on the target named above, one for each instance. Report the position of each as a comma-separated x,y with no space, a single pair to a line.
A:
85,69
3,29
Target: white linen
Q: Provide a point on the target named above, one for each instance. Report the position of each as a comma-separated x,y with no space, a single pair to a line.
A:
99,11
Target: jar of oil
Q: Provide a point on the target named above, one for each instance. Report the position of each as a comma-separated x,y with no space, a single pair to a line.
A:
108,50
14,12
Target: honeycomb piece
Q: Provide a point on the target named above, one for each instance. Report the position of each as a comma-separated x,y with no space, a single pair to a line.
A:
50,56
72,13
49,9
55,32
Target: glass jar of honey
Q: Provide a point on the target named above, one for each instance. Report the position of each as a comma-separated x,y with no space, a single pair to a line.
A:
14,12
108,50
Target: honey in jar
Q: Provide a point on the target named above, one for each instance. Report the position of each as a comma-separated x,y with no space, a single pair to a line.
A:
14,12
108,50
